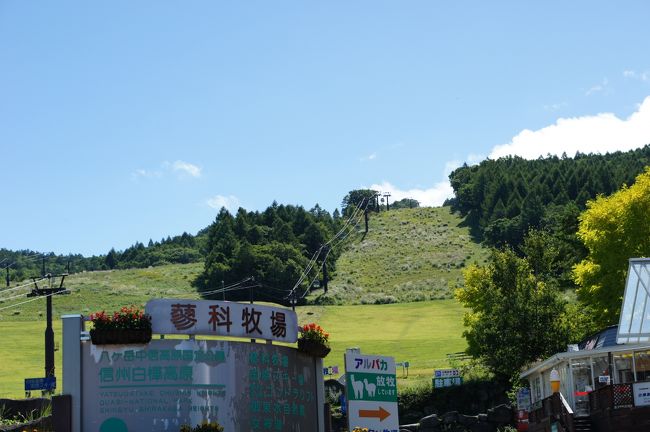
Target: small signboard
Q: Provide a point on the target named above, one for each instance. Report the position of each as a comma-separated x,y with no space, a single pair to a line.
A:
446,373
523,399
641,394
222,318
371,392
47,383
446,378
331,370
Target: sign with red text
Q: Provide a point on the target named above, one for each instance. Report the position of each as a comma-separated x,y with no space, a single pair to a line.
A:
222,318
371,392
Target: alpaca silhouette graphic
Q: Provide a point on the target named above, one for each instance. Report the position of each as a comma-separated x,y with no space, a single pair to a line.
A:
357,386
370,388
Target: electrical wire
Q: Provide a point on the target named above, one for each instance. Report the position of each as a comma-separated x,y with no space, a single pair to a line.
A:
28,301
20,286
226,288
304,294
12,297
314,258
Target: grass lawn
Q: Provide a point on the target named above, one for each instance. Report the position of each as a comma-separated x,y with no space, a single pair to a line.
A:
421,333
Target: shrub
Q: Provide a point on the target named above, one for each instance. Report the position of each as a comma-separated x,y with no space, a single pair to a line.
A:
203,427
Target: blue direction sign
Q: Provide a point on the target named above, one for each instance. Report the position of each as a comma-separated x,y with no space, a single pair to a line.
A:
47,383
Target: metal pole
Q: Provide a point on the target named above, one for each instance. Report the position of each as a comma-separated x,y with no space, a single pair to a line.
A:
365,214
223,292
325,270
49,341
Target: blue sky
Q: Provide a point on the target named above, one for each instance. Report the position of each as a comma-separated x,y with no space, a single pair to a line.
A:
123,121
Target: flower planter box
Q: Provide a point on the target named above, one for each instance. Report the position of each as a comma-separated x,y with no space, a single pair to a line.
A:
120,337
313,348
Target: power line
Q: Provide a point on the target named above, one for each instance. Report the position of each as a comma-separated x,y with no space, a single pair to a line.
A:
13,297
20,286
314,258
341,232
28,301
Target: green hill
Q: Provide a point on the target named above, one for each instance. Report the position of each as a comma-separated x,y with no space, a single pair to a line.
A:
408,255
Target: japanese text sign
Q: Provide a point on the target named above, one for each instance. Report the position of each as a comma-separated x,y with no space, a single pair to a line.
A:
47,383
167,383
222,318
371,392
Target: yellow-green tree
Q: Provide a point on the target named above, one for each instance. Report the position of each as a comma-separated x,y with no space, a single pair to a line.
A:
613,229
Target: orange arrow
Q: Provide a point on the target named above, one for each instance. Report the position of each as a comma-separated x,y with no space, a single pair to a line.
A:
381,413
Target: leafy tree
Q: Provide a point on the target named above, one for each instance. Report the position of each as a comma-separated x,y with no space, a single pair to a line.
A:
405,203
613,229
514,318
356,197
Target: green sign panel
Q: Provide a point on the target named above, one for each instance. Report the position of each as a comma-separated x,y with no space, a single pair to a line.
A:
371,387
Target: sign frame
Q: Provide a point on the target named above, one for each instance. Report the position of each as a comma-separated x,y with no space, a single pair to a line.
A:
371,400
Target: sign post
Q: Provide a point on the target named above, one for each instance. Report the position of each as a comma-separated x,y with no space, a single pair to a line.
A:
371,392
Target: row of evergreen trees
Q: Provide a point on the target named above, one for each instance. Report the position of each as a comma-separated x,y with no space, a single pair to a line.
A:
182,249
507,199
273,247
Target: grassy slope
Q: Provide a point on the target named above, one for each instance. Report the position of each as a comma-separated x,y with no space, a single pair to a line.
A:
404,248
408,255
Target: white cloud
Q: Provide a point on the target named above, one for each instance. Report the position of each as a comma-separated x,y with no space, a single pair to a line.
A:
143,173
600,133
431,197
556,106
597,88
370,157
474,158
186,168
230,202
643,76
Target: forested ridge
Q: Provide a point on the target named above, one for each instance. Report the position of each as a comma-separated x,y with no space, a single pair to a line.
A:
272,247
507,196
533,205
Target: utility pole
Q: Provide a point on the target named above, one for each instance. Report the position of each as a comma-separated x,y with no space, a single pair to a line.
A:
326,250
7,276
377,201
387,195
365,214
49,333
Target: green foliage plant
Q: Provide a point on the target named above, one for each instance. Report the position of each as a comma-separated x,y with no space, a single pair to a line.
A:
614,229
203,427
513,317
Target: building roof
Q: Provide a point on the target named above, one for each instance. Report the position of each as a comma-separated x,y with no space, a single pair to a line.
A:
603,339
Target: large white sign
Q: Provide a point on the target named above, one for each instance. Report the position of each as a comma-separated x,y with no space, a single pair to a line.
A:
641,394
222,318
371,392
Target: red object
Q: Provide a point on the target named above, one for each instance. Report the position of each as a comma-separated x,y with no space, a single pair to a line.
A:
522,420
